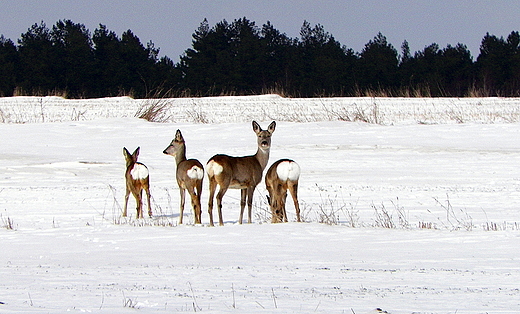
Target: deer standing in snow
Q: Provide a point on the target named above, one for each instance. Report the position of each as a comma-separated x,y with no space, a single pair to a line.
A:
283,175
242,173
137,180
190,173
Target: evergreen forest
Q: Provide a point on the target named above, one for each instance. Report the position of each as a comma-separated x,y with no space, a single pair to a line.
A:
242,58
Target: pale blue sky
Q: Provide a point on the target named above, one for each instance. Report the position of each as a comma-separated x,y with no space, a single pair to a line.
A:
170,24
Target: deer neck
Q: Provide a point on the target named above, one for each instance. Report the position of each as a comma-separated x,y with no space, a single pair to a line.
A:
180,156
262,155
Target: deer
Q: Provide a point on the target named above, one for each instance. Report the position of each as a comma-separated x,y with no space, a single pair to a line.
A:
189,174
137,179
243,173
283,175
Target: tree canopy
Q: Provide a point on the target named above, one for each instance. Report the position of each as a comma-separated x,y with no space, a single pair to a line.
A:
243,58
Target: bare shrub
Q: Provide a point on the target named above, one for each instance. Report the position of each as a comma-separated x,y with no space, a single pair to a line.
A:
263,212
77,115
3,116
7,223
329,211
352,214
371,114
305,209
198,116
402,216
328,215
155,110
383,218
456,114
456,220
129,303
368,114
426,225
492,226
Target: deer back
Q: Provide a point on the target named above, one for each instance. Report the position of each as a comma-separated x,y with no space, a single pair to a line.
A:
240,172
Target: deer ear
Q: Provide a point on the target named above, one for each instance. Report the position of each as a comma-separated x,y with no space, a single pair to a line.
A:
178,136
256,127
271,127
136,152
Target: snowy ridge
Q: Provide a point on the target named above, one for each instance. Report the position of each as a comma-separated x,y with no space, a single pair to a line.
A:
232,109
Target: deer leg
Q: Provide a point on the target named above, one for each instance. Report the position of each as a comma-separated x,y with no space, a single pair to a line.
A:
274,215
181,209
195,205
212,188
243,195
197,199
293,188
149,204
220,195
250,192
126,201
138,197
141,204
284,211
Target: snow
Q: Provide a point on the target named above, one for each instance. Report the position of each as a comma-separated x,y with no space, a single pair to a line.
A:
449,190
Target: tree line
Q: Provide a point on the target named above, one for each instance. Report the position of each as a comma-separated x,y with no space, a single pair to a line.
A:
241,58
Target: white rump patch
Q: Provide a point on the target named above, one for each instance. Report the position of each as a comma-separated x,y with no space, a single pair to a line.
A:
139,172
288,170
214,168
195,173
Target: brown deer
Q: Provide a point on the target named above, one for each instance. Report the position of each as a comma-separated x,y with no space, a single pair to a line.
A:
137,180
242,173
190,173
283,175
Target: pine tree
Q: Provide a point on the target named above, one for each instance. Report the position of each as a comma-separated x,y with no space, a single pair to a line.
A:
378,65
39,62
499,64
73,46
8,66
280,50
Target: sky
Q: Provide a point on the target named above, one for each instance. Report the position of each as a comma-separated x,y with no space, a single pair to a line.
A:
170,24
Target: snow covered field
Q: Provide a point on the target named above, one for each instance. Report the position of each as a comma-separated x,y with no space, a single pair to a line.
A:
414,212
